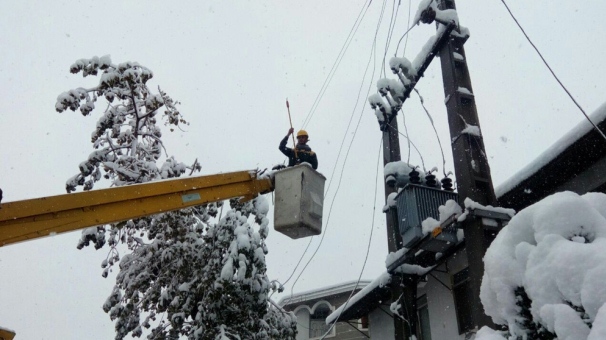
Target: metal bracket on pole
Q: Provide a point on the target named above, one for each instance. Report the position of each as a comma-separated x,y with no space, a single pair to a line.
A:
501,219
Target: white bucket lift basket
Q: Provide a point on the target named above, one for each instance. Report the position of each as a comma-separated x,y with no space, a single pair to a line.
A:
299,201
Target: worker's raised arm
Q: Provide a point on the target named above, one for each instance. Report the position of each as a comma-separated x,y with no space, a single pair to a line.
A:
286,151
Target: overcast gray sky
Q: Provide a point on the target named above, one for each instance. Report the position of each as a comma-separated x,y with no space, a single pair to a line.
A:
232,64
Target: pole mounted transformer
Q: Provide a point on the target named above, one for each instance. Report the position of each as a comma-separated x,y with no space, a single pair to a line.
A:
472,171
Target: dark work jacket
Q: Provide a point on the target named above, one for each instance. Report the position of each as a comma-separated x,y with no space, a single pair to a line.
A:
304,154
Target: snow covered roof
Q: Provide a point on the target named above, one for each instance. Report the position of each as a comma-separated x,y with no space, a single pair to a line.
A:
364,301
323,292
572,154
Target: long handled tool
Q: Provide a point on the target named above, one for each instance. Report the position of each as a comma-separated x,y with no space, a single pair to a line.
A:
293,135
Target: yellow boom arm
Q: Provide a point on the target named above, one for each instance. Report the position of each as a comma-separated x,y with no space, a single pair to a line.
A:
39,217
5,334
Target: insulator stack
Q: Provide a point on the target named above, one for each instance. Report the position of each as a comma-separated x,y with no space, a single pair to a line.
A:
430,180
414,177
447,184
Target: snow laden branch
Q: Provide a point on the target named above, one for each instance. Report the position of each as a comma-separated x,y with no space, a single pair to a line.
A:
207,279
127,138
184,274
545,271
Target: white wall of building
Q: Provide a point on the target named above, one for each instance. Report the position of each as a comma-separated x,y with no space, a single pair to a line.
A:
440,302
381,325
302,323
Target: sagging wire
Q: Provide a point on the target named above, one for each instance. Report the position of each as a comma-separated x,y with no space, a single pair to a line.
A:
395,54
337,62
297,266
407,139
405,136
434,130
390,29
349,123
552,72
373,56
372,227
403,35
407,25
357,22
410,28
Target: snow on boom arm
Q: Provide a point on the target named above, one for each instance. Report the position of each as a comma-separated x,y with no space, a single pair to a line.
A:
39,217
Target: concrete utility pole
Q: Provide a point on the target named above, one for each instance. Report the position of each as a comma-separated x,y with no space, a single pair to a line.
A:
471,166
391,153
471,171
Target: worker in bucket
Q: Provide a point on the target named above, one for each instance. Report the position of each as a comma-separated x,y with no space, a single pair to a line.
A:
302,152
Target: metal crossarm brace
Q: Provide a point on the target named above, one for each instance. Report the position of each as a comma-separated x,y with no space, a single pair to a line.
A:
435,49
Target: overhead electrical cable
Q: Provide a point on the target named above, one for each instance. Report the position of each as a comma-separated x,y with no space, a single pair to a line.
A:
409,28
390,29
298,263
407,25
552,72
405,136
336,63
349,123
403,54
372,227
334,168
373,56
434,130
357,22
403,35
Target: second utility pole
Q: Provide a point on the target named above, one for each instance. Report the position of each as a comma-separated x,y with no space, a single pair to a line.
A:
403,289
470,163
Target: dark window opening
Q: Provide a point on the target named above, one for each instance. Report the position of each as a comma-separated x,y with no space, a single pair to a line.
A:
462,298
364,323
317,321
423,312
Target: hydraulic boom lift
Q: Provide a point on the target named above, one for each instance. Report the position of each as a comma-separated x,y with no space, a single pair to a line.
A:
298,206
39,217
297,209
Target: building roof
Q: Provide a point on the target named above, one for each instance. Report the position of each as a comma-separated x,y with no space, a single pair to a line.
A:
566,160
323,292
358,306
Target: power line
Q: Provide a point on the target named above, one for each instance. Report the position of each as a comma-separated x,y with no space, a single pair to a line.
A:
390,29
298,263
552,72
409,28
407,25
344,136
337,62
372,227
434,130
407,139
405,136
372,55
350,120
334,168
403,35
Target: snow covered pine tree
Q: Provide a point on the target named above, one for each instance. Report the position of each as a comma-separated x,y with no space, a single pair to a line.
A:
545,271
192,277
